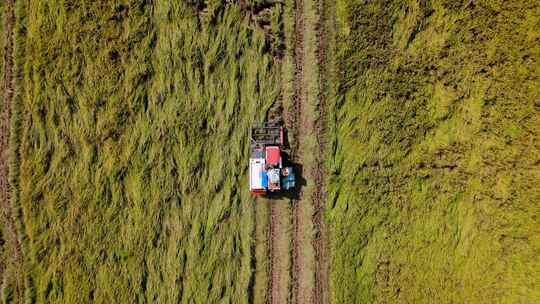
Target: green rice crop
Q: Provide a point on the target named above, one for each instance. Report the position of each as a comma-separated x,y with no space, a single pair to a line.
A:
434,185
133,145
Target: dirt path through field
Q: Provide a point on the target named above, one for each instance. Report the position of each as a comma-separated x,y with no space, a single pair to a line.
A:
15,263
310,263
302,259
279,252
297,237
321,240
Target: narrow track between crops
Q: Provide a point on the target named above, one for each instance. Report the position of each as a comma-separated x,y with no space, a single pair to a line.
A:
12,239
321,240
310,271
279,253
306,279
296,127
271,238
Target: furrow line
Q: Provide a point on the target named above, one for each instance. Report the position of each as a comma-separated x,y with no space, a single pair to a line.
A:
13,241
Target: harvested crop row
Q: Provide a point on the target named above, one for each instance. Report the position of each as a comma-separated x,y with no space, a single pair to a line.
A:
261,257
294,123
280,240
11,272
320,241
271,294
309,255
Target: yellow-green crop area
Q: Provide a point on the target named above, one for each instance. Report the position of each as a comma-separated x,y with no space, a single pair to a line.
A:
133,121
433,187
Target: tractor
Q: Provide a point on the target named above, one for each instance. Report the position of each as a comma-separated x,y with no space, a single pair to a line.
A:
267,173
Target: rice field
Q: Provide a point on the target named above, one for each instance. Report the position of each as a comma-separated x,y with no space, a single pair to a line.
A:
129,144
132,143
433,191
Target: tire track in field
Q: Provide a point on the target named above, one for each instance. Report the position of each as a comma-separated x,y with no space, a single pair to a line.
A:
305,120
295,125
12,238
271,272
321,240
302,125
279,252
310,262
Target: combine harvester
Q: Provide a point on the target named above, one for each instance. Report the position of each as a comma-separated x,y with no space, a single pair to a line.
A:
266,171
